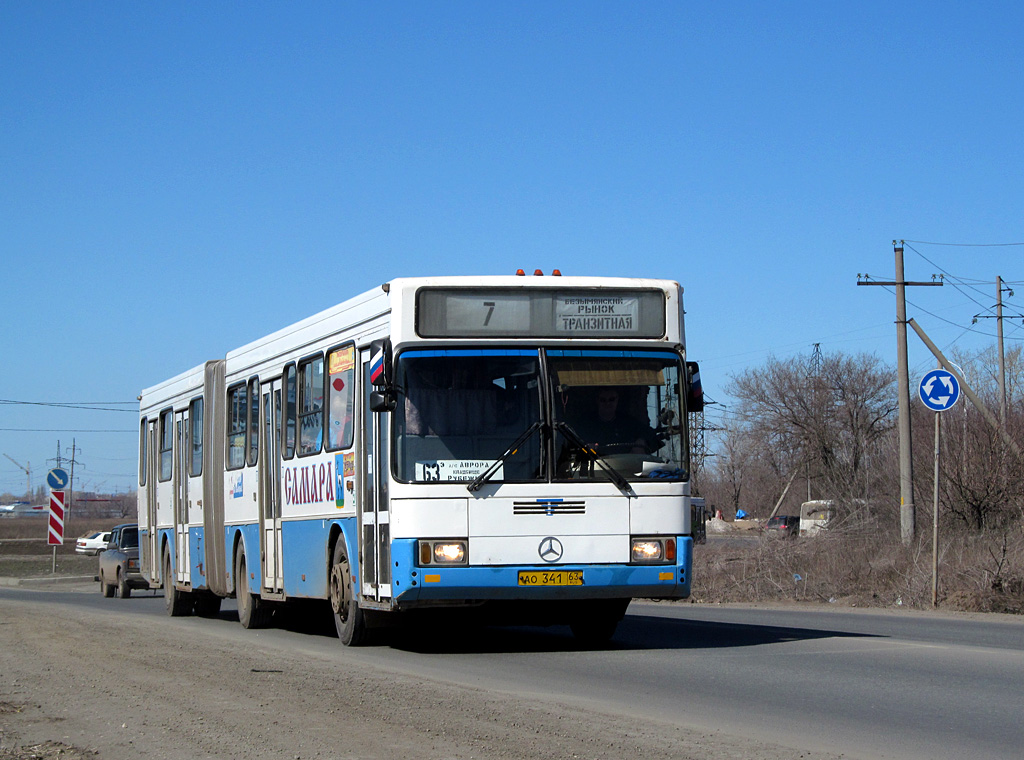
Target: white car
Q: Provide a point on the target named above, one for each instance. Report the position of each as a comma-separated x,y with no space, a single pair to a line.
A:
94,543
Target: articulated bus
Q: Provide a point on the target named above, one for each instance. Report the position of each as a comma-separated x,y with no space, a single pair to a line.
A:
512,443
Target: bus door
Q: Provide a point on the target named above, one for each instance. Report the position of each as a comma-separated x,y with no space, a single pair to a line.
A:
180,478
374,521
151,556
270,486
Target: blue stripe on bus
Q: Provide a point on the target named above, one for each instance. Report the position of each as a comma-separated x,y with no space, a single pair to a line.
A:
165,536
304,547
586,353
197,558
410,584
469,352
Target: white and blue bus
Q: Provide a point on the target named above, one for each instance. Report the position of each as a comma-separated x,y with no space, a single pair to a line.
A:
513,443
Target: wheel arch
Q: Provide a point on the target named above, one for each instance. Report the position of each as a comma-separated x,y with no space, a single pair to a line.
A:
342,532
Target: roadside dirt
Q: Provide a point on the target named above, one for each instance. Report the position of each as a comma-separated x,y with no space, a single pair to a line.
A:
93,685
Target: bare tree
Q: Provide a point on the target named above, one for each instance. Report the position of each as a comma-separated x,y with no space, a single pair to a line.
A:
828,416
982,483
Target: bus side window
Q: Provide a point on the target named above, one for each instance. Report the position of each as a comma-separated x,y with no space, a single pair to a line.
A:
143,453
253,427
341,399
166,444
237,415
195,415
291,398
311,403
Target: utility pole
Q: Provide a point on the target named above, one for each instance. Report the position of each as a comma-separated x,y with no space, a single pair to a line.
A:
815,377
71,480
999,334
1002,361
908,515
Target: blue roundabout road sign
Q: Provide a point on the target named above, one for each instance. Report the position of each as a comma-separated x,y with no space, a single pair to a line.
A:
939,390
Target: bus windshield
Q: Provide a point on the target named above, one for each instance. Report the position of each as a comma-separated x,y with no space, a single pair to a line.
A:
620,410
460,411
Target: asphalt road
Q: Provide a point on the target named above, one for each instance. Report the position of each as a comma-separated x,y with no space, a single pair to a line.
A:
873,684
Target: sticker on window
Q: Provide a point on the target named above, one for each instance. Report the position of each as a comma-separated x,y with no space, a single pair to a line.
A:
454,469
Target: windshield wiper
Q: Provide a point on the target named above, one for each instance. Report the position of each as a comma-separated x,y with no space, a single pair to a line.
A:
613,474
487,474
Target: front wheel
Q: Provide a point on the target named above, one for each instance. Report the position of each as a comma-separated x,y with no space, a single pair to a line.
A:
348,617
107,589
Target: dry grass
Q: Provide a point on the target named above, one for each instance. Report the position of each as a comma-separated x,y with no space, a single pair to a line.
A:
859,567
24,552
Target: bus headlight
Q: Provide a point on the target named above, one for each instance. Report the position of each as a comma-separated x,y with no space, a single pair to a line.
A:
443,552
653,550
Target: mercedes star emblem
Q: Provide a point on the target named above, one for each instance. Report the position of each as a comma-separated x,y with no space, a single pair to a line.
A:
550,549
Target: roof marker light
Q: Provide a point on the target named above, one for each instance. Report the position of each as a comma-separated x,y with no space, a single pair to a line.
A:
520,273
537,273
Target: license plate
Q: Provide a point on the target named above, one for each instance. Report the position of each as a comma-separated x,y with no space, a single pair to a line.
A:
550,577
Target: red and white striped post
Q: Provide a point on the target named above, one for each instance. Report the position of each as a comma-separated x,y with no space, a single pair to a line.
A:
55,531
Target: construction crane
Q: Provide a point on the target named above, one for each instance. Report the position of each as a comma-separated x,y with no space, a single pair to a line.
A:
28,475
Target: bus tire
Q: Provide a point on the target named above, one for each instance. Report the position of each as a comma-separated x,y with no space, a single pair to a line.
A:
348,617
123,589
108,590
253,612
178,603
594,622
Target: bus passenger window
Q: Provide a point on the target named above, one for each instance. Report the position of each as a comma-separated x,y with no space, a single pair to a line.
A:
341,399
143,453
253,423
166,444
195,415
311,403
291,396
237,414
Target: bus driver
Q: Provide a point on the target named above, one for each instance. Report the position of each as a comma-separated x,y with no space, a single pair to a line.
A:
612,431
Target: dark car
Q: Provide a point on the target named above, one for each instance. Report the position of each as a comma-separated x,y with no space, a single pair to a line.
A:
119,564
783,525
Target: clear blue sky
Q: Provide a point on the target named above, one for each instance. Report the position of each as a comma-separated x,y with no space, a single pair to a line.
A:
177,179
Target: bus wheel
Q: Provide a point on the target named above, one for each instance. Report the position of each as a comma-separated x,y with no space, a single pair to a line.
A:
123,589
348,618
253,612
594,623
176,601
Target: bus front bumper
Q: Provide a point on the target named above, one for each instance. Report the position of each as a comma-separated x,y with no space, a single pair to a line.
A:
412,584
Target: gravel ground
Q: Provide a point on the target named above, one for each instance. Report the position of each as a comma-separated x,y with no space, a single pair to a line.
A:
91,684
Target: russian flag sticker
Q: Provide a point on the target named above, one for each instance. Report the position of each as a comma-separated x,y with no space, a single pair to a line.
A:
377,367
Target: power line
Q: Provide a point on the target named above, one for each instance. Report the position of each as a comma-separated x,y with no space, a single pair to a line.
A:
88,405
954,277
62,430
966,245
943,319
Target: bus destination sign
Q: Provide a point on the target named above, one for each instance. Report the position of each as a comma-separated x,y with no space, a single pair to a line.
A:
549,313
605,314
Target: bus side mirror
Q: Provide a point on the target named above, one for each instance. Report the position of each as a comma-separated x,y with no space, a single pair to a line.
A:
383,398
383,401
694,391
380,363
